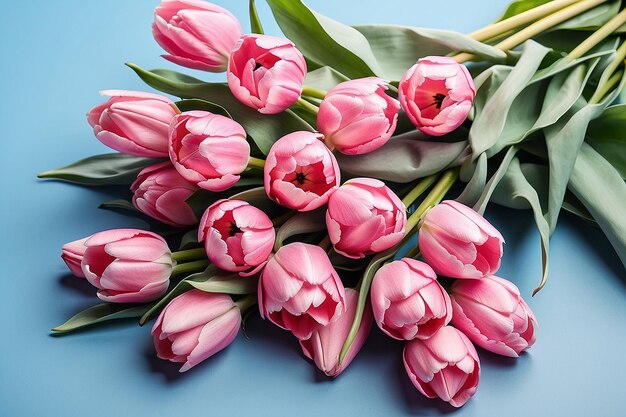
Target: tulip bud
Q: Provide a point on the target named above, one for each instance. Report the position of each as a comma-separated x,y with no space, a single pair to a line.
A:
300,172
196,34
266,73
300,291
72,255
194,326
357,116
133,122
491,312
444,366
437,94
237,236
208,149
458,242
364,216
161,193
127,265
407,300
324,345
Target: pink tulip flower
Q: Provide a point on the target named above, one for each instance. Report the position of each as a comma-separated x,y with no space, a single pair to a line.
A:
491,312
300,172
196,34
458,242
300,291
444,366
133,122
194,326
208,149
407,300
437,94
364,216
161,193
324,345
237,236
72,254
357,116
127,265
266,73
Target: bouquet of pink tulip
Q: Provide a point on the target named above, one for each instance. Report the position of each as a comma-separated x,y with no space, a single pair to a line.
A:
244,178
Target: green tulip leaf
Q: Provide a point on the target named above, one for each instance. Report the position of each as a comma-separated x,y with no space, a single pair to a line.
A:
324,40
514,190
602,191
397,48
324,78
255,22
105,169
405,158
99,314
607,135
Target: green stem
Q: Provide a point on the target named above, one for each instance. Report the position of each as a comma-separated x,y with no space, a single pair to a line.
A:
364,287
188,267
246,302
311,108
313,92
598,36
521,19
606,87
433,198
603,84
421,186
538,27
189,255
256,163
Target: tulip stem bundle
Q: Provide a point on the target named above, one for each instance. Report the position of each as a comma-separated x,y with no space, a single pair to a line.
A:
433,198
497,29
538,27
423,185
598,36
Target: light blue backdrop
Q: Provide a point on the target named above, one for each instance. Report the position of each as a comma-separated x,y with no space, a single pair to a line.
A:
55,57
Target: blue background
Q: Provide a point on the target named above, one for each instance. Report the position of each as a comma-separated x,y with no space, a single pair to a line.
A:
55,58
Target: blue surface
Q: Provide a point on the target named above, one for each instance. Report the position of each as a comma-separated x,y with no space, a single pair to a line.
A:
55,57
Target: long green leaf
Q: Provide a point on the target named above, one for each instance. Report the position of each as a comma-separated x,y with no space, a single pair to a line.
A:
99,314
602,191
324,78
491,121
607,135
105,169
263,129
325,40
396,48
405,158
255,22
515,191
